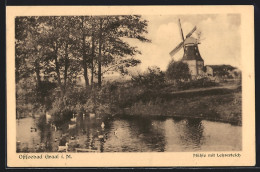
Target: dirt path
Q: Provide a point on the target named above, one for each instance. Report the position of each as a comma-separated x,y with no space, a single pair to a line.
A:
231,87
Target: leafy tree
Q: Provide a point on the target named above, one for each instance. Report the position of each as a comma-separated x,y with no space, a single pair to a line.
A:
152,78
52,51
178,71
112,50
28,59
87,31
62,51
222,70
27,54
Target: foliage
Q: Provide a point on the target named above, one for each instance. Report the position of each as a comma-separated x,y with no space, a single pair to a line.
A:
199,83
44,93
224,71
61,117
52,52
152,78
178,71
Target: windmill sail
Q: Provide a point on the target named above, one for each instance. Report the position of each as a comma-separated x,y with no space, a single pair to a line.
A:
180,45
176,49
191,32
181,30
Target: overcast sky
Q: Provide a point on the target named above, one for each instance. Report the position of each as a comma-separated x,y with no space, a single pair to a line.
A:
220,39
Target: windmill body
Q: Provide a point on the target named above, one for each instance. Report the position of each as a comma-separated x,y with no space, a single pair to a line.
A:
191,54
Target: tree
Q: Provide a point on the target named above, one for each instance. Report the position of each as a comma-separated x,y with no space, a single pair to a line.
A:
52,51
87,35
28,55
28,59
112,50
178,71
152,78
62,55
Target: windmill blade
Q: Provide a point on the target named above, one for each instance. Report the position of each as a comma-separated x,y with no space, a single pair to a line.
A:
191,32
181,30
176,49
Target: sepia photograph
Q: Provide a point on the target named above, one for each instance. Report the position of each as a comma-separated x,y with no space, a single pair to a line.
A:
129,83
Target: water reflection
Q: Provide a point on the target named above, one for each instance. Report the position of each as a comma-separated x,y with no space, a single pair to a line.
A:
128,134
192,133
150,133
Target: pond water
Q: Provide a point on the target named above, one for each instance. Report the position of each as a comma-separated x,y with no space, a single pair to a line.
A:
128,134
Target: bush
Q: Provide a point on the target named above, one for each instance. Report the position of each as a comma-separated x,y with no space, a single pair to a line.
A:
61,117
60,112
76,96
153,78
178,71
199,83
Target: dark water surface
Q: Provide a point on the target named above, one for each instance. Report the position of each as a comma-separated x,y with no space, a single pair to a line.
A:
133,134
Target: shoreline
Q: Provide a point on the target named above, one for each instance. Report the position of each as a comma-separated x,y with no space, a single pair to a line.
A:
223,105
181,117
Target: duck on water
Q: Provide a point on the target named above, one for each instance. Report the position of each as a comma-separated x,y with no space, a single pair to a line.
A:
63,148
48,116
73,119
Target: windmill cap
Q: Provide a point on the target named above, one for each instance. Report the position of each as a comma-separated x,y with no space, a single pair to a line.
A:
190,40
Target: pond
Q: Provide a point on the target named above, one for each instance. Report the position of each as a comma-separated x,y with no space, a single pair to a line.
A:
128,134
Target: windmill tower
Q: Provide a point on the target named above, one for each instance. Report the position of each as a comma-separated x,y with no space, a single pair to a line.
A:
191,54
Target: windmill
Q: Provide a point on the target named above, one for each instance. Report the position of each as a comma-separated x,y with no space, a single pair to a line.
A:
191,54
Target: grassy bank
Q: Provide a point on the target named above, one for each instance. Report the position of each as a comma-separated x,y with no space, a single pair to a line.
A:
201,99
218,105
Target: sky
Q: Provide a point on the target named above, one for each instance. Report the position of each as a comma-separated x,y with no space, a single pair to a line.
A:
220,39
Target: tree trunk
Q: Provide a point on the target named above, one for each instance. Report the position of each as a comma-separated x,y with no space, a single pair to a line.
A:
99,53
66,68
37,71
92,58
86,76
85,68
57,69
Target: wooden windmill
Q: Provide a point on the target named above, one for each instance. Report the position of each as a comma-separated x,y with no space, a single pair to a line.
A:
191,54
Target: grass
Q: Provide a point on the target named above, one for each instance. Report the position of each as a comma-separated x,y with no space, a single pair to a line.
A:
218,105
194,99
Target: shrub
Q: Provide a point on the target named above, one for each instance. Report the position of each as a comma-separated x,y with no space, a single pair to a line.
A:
153,78
59,118
178,71
199,83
